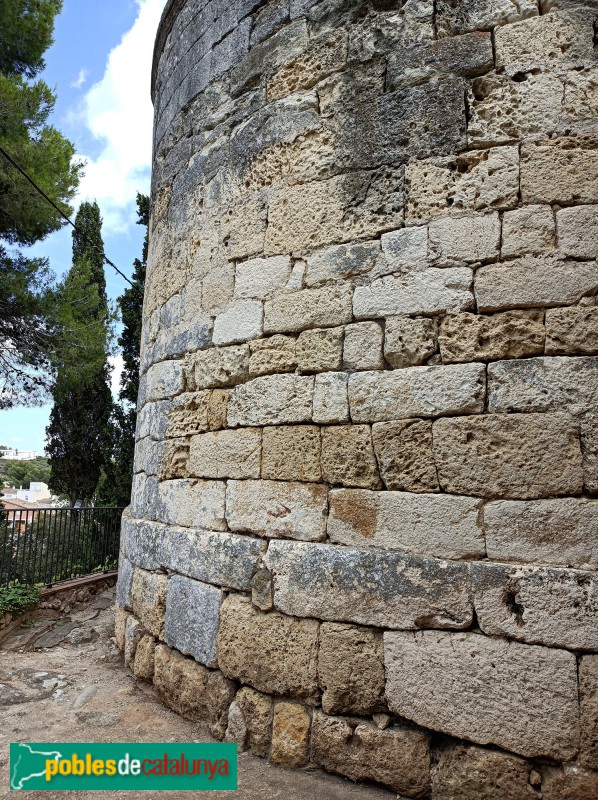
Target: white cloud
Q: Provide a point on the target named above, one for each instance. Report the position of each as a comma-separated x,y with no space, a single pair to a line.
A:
80,79
118,111
117,363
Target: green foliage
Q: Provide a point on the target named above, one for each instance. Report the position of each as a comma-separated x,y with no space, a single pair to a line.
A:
22,473
18,598
26,28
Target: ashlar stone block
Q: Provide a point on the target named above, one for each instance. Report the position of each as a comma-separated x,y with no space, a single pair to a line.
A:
529,229
341,262
290,735
470,15
331,401
260,277
561,170
226,454
468,239
192,504
404,454
474,337
577,230
348,456
273,355
308,308
219,367
362,346
469,773
192,618
257,710
242,321
320,350
410,341
272,400
572,331
149,600
291,453
588,708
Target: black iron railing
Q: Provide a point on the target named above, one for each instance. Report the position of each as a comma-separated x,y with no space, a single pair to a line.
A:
52,545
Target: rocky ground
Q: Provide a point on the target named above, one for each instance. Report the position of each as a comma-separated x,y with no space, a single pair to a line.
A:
62,679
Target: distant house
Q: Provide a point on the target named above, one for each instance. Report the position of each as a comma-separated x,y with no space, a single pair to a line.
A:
18,455
24,512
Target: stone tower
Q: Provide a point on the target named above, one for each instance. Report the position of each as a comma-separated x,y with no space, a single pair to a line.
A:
362,531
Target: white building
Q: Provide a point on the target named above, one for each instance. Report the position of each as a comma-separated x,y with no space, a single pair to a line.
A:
18,455
37,492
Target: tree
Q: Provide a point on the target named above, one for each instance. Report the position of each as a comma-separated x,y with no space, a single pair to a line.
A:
26,34
78,435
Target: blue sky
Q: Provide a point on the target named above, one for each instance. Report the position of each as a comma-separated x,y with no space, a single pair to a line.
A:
99,66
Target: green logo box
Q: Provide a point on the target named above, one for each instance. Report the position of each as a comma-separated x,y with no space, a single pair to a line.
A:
123,766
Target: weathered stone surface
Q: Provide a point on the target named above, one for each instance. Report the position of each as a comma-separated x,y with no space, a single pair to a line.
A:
148,456
561,170
538,605
417,392
120,625
331,400
317,62
588,711
351,669
561,532
403,251
261,277
272,400
262,595
219,366
220,695
529,229
384,32
397,757
188,414
467,239
362,347
533,282
193,504
242,321
291,453
257,710
383,589
134,632
124,583
569,783
342,262
149,600
175,459
165,380
290,735
572,331
271,652
278,508
236,729
181,683
143,667
426,292
272,355
192,618
320,350
444,526
518,456
470,15
348,456
473,337
152,420
309,308
589,448
474,687
404,454
410,342
226,454
544,384
472,773
577,230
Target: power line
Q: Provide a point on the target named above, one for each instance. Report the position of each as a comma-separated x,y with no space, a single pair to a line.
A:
38,189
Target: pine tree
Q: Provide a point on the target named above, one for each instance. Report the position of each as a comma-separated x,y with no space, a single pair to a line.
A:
78,434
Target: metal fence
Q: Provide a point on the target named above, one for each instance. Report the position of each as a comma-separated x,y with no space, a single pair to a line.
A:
52,545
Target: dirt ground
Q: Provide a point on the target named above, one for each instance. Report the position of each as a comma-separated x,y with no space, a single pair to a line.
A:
63,680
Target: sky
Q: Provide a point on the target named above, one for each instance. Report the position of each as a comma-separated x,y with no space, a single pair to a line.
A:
100,68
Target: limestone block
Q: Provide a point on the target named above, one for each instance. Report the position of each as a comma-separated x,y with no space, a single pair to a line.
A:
193,504
503,110
471,15
470,773
291,453
544,384
417,392
489,691
217,288
242,227
143,667
397,757
572,331
261,277
144,496
273,653
226,454
243,320
165,380
120,626
362,346
529,229
134,632
467,239
124,583
175,461
152,420
236,729
588,711
560,41
369,587
443,526
469,56
577,230
268,19
320,350
278,508
562,532
140,540
410,341
331,402
188,414
272,355
348,456
261,590
351,669
220,366
427,292
533,282
404,454
341,262
518,456
148,456
181,683
149,600
309,308
192,618
473,337
217,409
257,710
290,735
271,400
580,100
561,170
569,783
470,181
384,32
589,448
404,251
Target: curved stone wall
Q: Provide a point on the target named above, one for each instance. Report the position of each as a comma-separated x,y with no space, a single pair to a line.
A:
362,531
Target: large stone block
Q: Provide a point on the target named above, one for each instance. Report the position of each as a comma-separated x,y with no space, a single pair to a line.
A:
165,380
589,448
331,401
473,337
362,346
192,618
193,504
351,669
226,454
397,757
470,773
320,350
562,532
572,331
242,321
443,526
569,782
342,262
404,454
272,355
348,456
133,634
278,509
194,412
468,239
175,459
383,589
260,277
561,170
219,367
140,541
290,735
417,392
470,15
529,229
124,583
577,230
410,341
403,251
309,308
489,691
544,384
271,652
272,400
143,667
149,600
588,711
518,456
257,710
291,453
